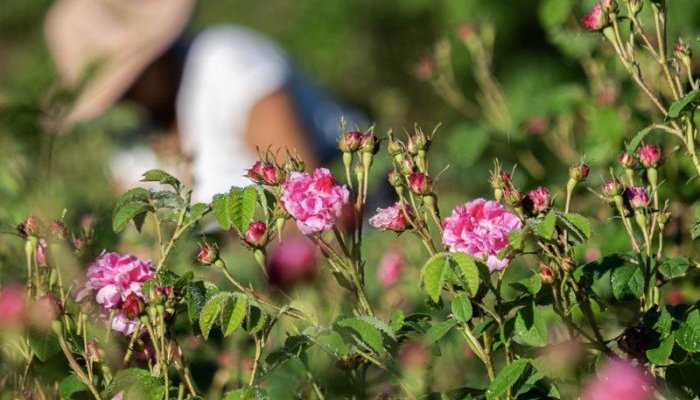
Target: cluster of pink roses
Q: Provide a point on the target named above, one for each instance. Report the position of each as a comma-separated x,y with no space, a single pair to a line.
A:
116,282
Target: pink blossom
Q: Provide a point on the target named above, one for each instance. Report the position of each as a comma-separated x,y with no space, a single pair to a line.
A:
113,277
649,155
12,306
596,19
538,200
618,379
315,201
480,228
389,270
292,261
391,218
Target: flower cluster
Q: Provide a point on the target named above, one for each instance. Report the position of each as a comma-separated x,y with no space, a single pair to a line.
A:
480,228
314,200
114,278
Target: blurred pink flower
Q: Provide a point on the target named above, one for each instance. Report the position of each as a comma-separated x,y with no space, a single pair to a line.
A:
113,277
292,261
12,306
596,19
391,218
619,379
480,228
389,270
315,201
41,251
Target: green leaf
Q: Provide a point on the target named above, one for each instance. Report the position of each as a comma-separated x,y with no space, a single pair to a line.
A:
240,207
470,272
578,225
379,324
531,327
531,285
254,393
69,386
462,308
233,314
218,205
686,103
397,318
44,345
688,334
127,212
210,312
437,331
682,380
157,175
545,228
515,239
255,319
505,379
627,282
368,334
135,194
659,354
433,275
198,293
637,140
135,383
197,211
674,267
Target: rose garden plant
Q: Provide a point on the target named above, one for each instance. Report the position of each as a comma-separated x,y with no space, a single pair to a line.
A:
506,277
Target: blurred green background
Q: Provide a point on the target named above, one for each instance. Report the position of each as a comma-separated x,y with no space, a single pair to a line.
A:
560,99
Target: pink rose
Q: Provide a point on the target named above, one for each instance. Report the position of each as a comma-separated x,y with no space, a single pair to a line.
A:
392,218
113,277
389,270
315,201
292,261
480,228
538,200
619,379
636,197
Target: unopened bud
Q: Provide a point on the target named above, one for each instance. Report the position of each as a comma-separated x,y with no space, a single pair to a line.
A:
349,142
420,183
256,235
132,306
546,274
579,172
649,156
207,254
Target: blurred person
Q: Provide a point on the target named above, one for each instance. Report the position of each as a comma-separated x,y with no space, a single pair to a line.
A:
217,98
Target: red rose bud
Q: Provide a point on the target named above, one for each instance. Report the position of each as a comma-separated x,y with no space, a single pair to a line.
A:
255,173
408,166
627,160
350,141
394,179
612,188
579,172
28,227
649,155
132,306
426,67
208,254
546,274
369,143
255,235
271,175
58,229
420,183
596,20
538,200
636,197
683,52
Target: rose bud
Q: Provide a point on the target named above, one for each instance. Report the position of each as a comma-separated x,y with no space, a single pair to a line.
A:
294,163
418,142
394,179
271,175
612,188
579,172
395,147
369,143
28,227
567,263
636,197
392,218
546,274
207,254
683,52
627,160
426,67
41,249
349,142
420,183
132,306
255,173
513,197
58,229
256,234
649,155
596,20
160,294
538,200
408,166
